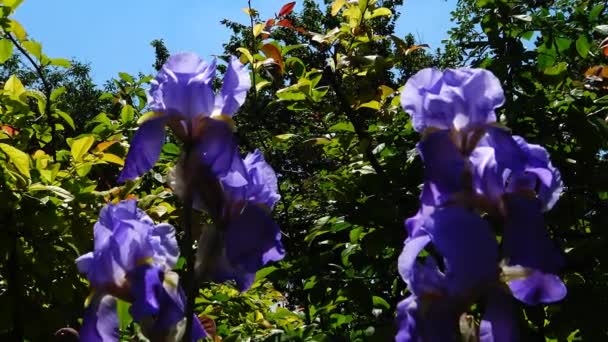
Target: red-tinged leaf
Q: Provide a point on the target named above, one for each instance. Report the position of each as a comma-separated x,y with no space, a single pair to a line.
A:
265,36
301,30
285,23
269,23
605,51
10,131
287,8
273,52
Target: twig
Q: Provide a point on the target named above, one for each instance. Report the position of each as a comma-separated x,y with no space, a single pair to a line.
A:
190,286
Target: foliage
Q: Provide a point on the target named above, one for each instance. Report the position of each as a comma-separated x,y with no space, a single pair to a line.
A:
325,109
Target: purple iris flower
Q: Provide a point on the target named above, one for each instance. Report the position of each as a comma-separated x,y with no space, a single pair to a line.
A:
250,238
183,98
473,165
132,260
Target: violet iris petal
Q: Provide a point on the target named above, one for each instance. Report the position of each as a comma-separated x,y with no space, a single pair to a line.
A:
426,322
146,288
452,99
234,89
263,185
443,165
145,149
538,288
100,322
499,321
219,151
183,87
550,185
252,240
526,243
467,245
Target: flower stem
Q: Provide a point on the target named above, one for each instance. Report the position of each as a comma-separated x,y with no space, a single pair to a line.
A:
190,285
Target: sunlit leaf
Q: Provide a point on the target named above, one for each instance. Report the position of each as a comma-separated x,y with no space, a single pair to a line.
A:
112,158
6,50
18,30
18,158
257,29
66,117
81,146
336,6
14,86
33,48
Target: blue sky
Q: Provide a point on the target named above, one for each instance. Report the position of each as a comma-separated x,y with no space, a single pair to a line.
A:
114,35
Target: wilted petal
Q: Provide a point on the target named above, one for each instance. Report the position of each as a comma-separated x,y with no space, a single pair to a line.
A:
145,149
499,322
100,321
538,288
234,89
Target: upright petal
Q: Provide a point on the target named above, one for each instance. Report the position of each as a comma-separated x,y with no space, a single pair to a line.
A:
145,149
163,241
183,87
263,187
234,89
100,321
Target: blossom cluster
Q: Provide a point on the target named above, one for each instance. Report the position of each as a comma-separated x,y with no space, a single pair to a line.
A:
480,182
133,258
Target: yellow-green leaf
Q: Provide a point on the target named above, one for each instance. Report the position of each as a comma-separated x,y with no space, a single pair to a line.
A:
34,48
18,158
17,30
112,158
6,50
336,6
83,169
14,86
247,54
379,12
13,4
81,146
257,29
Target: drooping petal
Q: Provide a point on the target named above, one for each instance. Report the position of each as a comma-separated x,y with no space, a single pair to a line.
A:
467,245
100,321
183,87
234,89
420,321
146,288
499,322
526,241
251,241
407,258
538,288
145,149
443,165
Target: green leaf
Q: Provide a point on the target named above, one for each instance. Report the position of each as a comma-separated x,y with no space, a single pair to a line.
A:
264,272
596,11
363,5
18,158
171,149
380,12
127,114
557,69
18,30
58,191
246,54
342,127
57,92
6,50
583,44
563,43
124,317
14,86
81,146
34,48
13,4
336,6
379,302
126,77
371,104
112,158
284,137
60,62
66,117
83,169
